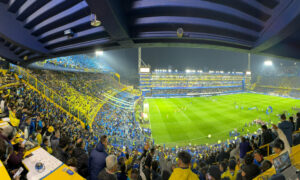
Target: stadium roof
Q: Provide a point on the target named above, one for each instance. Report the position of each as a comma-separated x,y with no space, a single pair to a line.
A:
32,30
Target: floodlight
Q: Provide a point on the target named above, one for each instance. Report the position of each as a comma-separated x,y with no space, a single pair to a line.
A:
268,63
187,71
94,21
144,70
169,70
248,72
99,53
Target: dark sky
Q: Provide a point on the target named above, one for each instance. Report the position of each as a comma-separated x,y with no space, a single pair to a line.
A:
125,61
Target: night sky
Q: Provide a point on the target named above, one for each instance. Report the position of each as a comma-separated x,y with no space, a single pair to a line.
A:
124,61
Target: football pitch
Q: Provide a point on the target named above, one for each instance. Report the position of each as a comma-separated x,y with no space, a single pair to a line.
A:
183,121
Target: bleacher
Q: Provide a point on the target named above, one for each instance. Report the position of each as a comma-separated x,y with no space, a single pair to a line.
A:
192,83
279,85
32,113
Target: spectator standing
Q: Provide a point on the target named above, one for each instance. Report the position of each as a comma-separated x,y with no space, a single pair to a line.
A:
244,147
97,158
266,137
287,128
81,157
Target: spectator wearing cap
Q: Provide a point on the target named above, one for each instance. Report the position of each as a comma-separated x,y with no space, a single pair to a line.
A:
287,128
97,158
108,173
213,173
183,171
231,173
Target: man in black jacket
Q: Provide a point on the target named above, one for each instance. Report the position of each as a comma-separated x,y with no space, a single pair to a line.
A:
266,135
82,158
266,138
61,151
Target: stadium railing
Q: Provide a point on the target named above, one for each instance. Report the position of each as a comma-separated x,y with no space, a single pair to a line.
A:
50,95
268,145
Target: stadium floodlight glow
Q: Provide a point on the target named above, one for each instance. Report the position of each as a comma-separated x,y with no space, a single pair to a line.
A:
268,63
248,72
187,71
144,70
211,72
169,70
99,53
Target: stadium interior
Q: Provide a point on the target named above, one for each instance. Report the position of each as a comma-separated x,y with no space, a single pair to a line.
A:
149,89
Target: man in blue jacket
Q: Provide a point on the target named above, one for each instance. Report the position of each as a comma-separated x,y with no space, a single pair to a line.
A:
287,128
97,158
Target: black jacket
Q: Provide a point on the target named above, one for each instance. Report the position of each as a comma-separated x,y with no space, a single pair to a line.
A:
61,155
266,137
82,161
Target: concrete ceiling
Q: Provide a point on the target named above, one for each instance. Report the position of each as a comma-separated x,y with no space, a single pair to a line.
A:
32,30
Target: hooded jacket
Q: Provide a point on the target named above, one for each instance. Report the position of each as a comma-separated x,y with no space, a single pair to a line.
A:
97,161
287,128
183,174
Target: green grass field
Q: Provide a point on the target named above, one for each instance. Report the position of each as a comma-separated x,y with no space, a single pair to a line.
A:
180,121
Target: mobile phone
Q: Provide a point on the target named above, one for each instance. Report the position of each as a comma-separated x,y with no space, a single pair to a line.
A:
29,155
20,170
24,141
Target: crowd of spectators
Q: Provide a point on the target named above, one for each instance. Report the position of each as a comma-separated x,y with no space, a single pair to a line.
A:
87,63
96,153
83,91
194,92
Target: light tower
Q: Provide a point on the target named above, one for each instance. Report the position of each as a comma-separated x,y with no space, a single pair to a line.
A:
249,61
144,73
248,74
